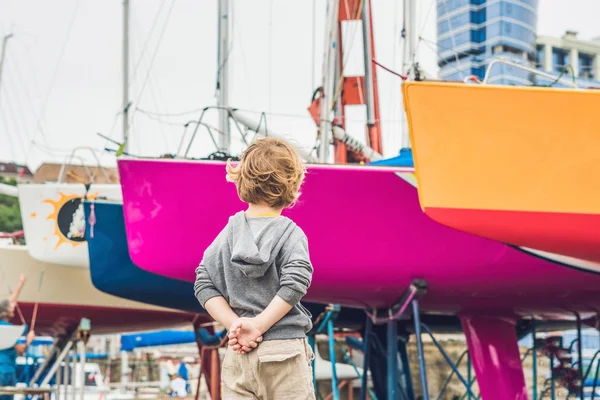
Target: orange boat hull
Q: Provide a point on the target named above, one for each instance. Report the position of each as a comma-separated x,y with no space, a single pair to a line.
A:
517,165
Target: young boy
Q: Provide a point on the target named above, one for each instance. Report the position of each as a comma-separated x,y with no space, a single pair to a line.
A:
253,275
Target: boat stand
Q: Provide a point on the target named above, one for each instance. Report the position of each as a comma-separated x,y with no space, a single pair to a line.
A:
390,317
325,322
496,358
72,346
396,390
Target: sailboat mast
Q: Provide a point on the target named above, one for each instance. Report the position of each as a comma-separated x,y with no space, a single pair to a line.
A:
409,56
223,76
410,36
3,55
331,51
124,355
368,62
126,75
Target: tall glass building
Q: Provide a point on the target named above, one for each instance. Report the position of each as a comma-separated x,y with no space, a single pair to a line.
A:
472,32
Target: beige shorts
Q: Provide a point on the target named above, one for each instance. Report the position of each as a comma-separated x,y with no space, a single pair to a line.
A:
275,370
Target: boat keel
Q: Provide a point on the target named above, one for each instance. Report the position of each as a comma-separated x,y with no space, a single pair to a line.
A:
492,343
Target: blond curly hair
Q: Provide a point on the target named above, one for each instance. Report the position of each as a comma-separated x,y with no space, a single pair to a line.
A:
270,172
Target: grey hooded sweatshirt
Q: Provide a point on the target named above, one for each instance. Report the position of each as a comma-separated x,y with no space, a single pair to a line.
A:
253,260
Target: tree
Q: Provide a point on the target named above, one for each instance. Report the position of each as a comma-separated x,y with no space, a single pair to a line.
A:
10,213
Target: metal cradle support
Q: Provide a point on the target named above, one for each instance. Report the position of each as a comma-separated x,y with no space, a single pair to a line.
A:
535,361
325,323
446,357
392,360
58,366
366,354
390,318
580,356
422,366
406,380
411,298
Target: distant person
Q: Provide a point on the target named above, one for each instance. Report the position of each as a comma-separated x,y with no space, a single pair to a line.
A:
8,357
253,275
177,386
183,373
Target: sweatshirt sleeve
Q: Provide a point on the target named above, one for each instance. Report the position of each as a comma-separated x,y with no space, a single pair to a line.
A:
296,273
204,289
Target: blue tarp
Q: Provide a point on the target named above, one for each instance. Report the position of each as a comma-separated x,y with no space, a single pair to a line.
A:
169,337
160,338
38,342
404,159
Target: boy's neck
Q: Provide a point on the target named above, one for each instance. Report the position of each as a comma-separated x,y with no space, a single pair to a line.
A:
262,210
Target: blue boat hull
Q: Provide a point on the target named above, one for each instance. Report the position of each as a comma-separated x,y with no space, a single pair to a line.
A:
114,273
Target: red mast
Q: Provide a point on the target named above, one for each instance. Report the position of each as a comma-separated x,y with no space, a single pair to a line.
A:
353,90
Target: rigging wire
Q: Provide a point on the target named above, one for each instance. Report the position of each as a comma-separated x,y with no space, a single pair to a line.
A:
52,150
17,118
19,121
58,64
11,144
109,137
271,114
391,71
445,2
432,46
416,50
160,120
238,36
158,43
148,74
146,43
270,55
153,87
175,114
39,125
181,123
185,125
393,90
22,83
314,38
32,71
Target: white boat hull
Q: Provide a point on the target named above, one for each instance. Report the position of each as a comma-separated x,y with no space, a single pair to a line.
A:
54,221
65,295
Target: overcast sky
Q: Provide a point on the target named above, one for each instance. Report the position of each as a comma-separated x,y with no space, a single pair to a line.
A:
62,77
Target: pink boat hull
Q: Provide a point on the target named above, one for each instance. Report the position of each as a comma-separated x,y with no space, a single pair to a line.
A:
367,234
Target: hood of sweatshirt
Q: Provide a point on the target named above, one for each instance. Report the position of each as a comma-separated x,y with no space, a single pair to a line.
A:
256,242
